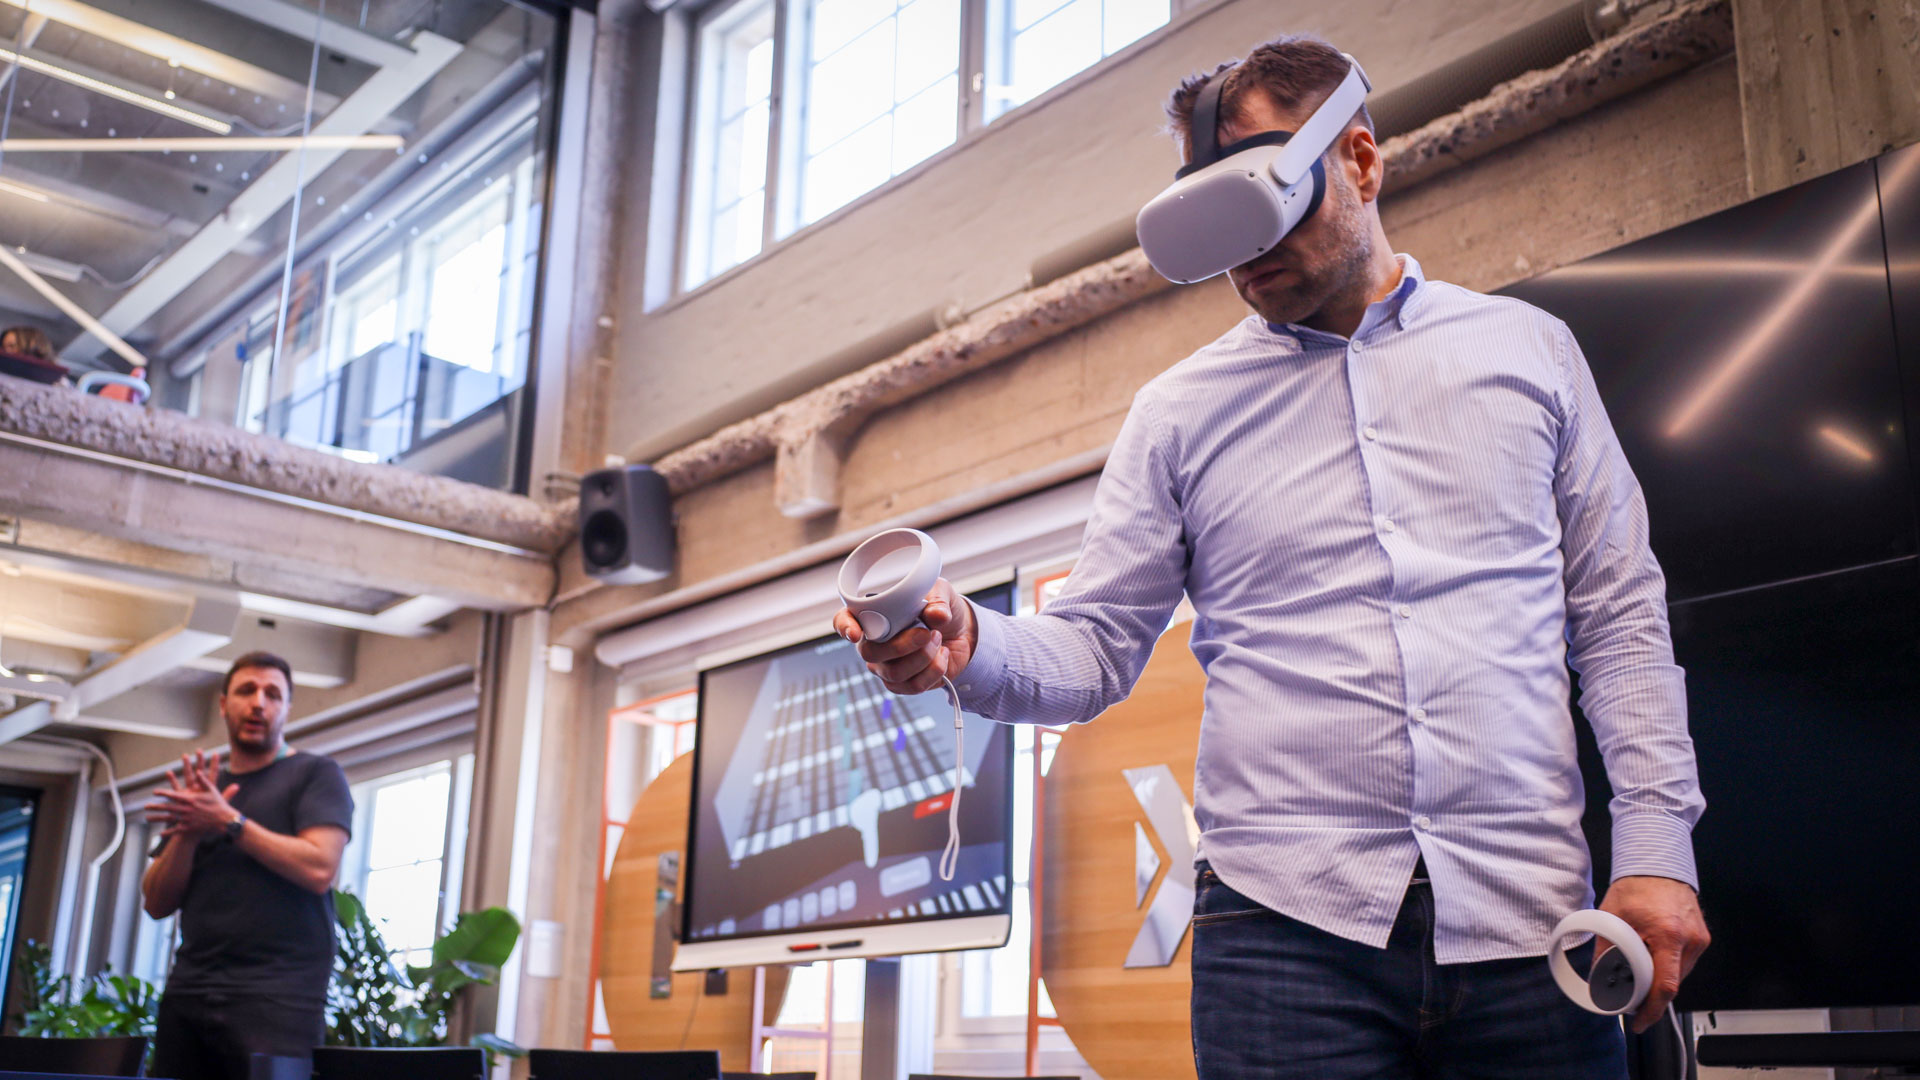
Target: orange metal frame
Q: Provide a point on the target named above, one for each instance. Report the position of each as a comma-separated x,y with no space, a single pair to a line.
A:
1034,887
629,714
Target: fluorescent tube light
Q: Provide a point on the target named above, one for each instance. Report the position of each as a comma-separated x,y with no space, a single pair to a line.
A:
201,145
121,93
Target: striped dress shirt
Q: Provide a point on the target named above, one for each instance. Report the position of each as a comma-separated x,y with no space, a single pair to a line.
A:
1395,545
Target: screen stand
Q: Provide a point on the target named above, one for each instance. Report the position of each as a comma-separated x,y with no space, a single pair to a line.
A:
897,1037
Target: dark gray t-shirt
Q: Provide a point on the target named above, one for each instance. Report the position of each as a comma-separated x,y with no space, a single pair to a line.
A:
244,929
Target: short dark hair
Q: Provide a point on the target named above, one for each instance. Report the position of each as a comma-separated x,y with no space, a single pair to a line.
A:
1295,70
258,659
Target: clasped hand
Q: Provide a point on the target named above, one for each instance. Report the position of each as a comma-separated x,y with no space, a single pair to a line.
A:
191,806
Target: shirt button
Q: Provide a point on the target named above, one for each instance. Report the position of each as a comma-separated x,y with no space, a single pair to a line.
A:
1370,433
1354,345
1386,524
1423,823
1405,612
1419,716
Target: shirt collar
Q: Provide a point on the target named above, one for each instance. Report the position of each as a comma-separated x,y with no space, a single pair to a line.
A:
1402,306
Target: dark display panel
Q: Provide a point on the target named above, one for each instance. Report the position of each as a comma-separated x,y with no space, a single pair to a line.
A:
1747,361
820,800
1804,701
1899,176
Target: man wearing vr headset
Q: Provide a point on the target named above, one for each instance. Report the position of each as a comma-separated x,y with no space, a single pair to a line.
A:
1400,511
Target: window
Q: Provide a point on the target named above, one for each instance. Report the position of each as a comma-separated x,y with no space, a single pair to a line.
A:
730,182
1033,45
802,106
882,95
404,859
153,939
424,323
994,981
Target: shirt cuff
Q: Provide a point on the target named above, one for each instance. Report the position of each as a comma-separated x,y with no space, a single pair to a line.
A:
1653,844
987,669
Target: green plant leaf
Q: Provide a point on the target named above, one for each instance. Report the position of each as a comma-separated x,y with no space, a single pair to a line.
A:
483,937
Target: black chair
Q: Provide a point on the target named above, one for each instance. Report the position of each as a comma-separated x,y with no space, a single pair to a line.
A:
400,1063
118,1056
277,1067
623,1065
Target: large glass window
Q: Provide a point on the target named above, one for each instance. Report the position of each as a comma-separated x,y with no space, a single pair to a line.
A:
16,835
730,181
882,94
404,859
803,106
158,180
425,325
1033,45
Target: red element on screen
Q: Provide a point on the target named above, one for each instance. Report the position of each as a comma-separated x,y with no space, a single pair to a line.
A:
936,805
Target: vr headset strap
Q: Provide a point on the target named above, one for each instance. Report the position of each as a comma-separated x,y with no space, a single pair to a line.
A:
1206,122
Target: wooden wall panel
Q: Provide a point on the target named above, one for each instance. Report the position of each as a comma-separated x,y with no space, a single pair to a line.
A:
688,1019
1130,1024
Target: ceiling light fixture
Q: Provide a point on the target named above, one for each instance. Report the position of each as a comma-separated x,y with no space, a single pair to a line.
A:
232,144
73,311
25,193
120,93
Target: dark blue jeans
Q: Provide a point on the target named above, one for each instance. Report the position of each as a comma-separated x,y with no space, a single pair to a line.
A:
1276,999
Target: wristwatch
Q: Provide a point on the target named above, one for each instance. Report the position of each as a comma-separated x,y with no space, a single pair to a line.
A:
236,826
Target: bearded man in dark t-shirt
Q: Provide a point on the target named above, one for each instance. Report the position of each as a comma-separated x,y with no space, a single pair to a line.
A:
247,856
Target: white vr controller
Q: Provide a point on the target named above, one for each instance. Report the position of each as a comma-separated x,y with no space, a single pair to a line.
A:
1619,980
885,583
886,580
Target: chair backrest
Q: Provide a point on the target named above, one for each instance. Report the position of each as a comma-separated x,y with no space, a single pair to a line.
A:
117,1056
623,1064
408,1063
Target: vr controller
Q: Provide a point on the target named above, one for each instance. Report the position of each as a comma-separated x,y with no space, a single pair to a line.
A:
1620,978
886,580
884,583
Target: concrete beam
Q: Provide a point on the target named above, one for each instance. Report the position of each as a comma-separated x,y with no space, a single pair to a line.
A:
106,558
1824,84
301,22
172,712
221,452
208,626
126,500
321,656
1695,34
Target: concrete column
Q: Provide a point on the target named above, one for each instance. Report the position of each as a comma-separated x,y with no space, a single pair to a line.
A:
1824,84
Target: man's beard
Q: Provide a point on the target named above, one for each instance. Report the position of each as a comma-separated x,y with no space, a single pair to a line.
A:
1340,259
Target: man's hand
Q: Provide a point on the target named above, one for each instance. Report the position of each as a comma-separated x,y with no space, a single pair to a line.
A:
917,658
190,806
1666,915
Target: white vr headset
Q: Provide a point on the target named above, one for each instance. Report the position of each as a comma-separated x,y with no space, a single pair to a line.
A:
1231,204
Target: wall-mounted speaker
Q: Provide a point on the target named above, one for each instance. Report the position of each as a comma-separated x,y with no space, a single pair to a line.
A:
626,525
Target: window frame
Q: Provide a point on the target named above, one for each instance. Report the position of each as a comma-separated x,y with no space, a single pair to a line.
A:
783,153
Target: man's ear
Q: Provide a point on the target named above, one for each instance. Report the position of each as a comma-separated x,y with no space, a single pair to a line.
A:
1369,165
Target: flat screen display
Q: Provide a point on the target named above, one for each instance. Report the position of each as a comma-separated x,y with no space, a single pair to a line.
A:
821,800
1804,702
1747,361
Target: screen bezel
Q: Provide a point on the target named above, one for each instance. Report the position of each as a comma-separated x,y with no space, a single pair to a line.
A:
940,932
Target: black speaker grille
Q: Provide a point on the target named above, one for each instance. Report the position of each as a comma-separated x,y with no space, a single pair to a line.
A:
603,540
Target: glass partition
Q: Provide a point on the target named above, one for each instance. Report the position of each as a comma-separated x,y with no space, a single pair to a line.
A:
319,221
